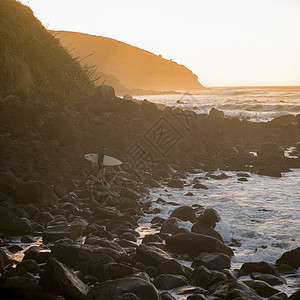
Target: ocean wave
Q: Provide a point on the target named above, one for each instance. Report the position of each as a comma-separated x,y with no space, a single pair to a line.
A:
261,107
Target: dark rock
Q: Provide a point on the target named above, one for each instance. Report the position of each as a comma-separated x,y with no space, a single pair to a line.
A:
196,297
201,228
290,258
112,289
128,236
184,213
215,113
151,271
127,244
212,261
20,282
270,151
188,194
168,228
166,296
44,217
174,267
54,233
168,281
105,92
27,239
279,296
30,266
205,278
151,256
24,294
194,244
149,238
210,217
270,279
38,254
35,192
260,267
14,248
157,220
176,183
235,289
13,225
295,296
105,213
59,279
200,186
4,259
262,288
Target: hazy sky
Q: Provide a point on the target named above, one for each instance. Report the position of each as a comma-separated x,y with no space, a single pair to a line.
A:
224,42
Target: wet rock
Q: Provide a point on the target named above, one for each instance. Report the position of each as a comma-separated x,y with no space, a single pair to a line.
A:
44,217
205,278
184,213
157,220
279,296
151,256
27,239
260,267
102,242
129,236
151,271
127,243
212,261
112,289
270,279
262,288
168,281
188,194
200,186
17,282
38,254
168,228
166,296
295,296
13,225
196,297
235,289
106,213
210,217
59,279
290,258
14,248
30,266
56,232
176,183
174,267
4,259
201,228
35,192
149,238
194,244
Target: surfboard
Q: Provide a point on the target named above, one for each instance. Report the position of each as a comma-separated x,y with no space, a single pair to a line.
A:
107,160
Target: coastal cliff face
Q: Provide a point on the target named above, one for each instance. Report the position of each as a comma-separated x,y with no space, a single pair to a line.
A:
134,67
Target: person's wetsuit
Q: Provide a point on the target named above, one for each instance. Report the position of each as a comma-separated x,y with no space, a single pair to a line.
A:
100,159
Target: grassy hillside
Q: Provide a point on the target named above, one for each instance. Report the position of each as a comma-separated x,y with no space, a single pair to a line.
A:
134,67
33,64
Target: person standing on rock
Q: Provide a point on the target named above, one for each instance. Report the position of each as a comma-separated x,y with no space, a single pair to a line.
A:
101,164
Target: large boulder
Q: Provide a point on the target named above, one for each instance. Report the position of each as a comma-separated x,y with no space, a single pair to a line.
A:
212,261
59,279
12,224
168,281
291,258
209,218
105,92
261,267
270,152
201,228
262,288
184,213
113,289
174,267
151,256
4,259
195,244
57,232
35,192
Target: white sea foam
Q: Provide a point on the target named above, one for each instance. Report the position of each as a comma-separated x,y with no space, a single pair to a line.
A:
258,104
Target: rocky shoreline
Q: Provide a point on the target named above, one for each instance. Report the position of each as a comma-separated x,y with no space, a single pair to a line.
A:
79,237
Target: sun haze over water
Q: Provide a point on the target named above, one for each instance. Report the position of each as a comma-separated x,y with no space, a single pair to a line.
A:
226,43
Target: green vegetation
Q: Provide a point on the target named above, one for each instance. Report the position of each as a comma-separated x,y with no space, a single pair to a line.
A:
33,64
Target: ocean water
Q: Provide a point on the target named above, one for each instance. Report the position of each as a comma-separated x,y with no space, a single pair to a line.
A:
256,104
262,214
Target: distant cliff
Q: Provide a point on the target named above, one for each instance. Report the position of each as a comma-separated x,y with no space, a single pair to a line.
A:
134,67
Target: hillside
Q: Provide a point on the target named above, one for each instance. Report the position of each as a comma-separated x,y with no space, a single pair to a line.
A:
33,64
134,67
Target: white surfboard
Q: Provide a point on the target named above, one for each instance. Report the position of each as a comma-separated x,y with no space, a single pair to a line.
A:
107,160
